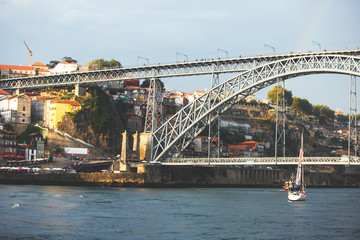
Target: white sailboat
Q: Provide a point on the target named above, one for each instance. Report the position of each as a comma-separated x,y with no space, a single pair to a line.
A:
296,192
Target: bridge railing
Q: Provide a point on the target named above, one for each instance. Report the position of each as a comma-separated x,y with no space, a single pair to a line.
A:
263,161
158,71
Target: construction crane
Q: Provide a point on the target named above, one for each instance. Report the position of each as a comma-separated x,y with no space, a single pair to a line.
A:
30,53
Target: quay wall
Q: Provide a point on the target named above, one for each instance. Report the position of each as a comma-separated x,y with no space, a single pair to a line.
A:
183,176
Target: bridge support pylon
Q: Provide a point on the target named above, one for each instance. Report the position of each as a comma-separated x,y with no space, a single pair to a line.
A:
352,136
124,167
79,90
280,120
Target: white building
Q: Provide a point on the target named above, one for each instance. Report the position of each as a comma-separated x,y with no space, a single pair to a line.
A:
64,67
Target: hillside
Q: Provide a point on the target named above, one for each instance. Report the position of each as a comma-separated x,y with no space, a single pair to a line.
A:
99,123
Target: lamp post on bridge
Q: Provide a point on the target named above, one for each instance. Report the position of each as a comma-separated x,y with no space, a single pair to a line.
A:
265,46
186,56
137,60
317,44
221,50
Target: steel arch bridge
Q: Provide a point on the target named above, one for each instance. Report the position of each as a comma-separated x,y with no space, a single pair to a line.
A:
201,67
178,132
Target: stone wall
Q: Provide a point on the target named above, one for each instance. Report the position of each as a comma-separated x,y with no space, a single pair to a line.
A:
184,176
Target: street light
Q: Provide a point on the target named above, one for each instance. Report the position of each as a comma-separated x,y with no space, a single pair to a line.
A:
137,60
265,46
317,44
217,52
186,56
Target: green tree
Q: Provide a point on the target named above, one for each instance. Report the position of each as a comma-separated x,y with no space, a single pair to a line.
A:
323,112
301,106
272,95
52,63
253,102
101,112
69,60
146,83
101,63
342,118
58,149
316,110
29,130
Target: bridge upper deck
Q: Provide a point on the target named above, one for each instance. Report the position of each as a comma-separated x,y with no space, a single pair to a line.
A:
201,67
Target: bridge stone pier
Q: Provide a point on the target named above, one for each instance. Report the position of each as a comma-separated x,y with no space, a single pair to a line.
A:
79,90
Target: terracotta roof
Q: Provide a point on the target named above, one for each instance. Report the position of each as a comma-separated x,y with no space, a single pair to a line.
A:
39,64
63,62
32,94
10,132
2,92
251,143
73,103
15,67
237,147
133,87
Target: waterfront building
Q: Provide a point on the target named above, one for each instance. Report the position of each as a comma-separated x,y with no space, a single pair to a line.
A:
8,145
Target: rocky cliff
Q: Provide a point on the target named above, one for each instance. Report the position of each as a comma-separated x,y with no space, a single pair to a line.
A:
82,127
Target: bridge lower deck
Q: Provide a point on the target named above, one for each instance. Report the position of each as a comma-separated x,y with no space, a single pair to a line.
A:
263,161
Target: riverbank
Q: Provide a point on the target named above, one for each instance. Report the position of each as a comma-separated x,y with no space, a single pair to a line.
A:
183,176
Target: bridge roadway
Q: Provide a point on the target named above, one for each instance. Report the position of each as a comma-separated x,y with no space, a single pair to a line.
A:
202,67
262,161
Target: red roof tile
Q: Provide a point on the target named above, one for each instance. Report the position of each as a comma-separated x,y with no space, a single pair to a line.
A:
39,64
73,103
15,67
2,92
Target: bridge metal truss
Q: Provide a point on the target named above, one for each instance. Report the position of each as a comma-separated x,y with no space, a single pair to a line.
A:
264,161
154,71
177,133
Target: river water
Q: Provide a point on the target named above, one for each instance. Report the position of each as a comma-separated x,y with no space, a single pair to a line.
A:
54,212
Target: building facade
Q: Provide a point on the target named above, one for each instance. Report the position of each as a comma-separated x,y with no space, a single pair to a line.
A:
56,109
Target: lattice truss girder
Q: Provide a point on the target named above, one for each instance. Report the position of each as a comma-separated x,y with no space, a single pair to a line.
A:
161,71
180,130
262,161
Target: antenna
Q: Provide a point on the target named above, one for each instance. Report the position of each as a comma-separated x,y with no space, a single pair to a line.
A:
30,53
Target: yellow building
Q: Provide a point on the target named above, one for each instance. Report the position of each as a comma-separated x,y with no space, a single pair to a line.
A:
56,109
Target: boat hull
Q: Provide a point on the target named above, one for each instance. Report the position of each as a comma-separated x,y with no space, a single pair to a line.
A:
296,197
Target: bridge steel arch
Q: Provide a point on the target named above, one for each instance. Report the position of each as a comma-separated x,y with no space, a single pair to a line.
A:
178,132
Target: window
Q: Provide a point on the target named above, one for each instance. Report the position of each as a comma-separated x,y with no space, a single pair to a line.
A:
23,108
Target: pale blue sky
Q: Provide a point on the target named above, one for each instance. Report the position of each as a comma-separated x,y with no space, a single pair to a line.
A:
90,29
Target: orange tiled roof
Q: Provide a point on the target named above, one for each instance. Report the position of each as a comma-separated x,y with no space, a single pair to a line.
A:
15,67
2,92
73,103
32,94
39,64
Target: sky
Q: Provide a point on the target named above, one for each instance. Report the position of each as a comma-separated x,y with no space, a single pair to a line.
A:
128,29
